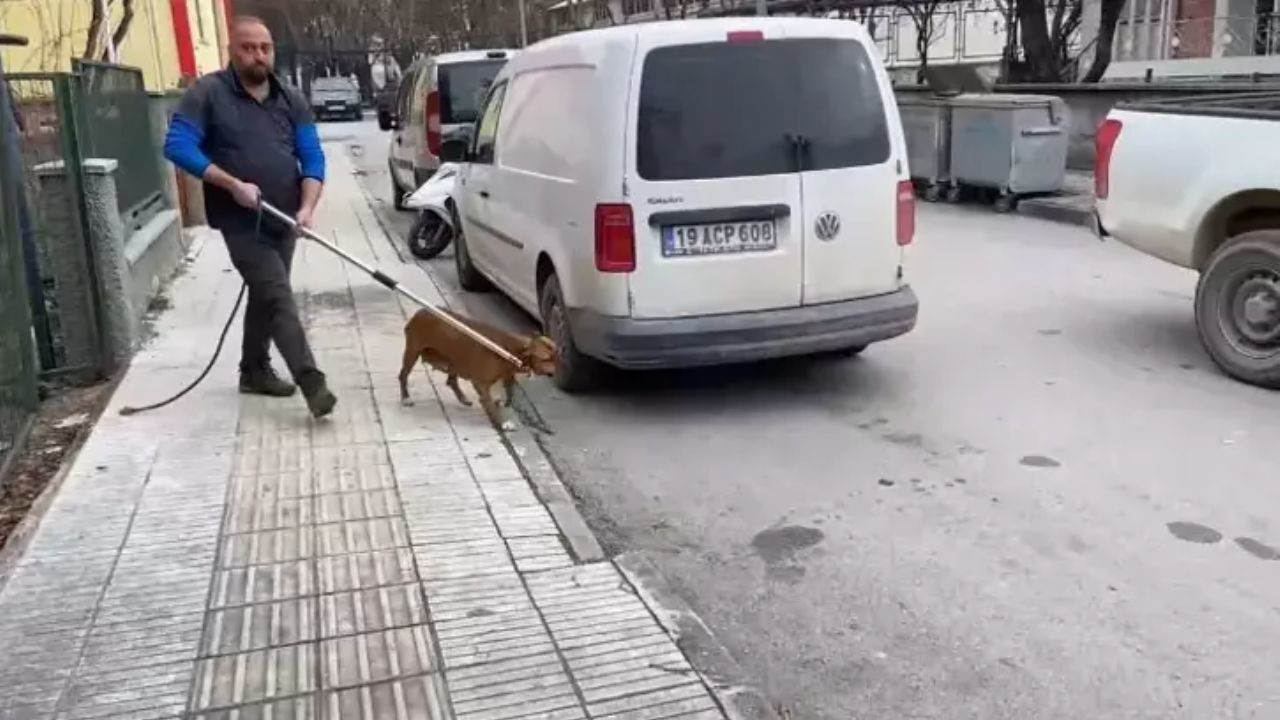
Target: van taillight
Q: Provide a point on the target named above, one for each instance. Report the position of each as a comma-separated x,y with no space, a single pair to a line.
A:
906,215
738,36
433,123
615,239
1108,134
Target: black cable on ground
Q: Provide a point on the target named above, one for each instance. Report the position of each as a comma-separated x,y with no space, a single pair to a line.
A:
257,237
203,374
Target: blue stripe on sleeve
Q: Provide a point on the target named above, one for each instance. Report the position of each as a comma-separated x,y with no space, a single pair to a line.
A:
310,156
182,146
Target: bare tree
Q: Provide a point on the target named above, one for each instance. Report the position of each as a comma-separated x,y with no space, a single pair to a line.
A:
1105,41
99,43
1047,29
924,16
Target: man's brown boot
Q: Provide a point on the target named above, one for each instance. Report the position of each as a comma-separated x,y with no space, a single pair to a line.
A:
264,381
320,401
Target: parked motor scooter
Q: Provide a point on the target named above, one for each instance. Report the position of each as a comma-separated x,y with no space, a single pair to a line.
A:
436,224
433,230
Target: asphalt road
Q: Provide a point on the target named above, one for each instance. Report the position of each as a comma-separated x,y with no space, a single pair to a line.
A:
1045,502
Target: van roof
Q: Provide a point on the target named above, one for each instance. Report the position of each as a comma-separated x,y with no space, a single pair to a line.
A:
672,28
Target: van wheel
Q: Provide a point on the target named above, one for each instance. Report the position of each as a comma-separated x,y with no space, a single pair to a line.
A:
1238,308
849,352
468,276
397,195
575,372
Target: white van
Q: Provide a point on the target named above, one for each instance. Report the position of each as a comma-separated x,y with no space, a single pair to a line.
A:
691,193
439,97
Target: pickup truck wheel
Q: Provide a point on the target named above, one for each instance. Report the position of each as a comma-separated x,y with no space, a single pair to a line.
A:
1238,308
575,372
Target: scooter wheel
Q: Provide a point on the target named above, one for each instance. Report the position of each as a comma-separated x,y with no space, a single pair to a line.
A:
429,236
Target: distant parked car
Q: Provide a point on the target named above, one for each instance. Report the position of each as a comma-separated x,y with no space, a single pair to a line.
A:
336,97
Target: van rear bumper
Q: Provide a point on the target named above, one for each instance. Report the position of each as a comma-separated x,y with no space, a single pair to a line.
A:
739,337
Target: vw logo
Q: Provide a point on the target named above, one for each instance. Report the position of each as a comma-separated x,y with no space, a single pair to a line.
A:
827,226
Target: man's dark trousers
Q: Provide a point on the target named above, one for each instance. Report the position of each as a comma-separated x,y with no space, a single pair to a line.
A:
271,313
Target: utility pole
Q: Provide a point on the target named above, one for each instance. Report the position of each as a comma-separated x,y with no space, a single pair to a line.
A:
762,8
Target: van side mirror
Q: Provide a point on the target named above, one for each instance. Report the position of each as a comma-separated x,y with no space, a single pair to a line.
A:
454,151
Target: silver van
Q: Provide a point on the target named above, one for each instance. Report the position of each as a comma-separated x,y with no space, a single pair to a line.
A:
439,99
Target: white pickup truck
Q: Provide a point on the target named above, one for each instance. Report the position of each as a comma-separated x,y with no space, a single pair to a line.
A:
1197,183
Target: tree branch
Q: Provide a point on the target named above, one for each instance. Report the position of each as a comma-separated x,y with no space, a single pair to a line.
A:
117,38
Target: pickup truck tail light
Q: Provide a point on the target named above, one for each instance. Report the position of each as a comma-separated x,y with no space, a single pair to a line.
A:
615,239
1108,134
433,123
906,212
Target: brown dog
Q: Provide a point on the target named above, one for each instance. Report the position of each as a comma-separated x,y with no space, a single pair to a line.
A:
449,350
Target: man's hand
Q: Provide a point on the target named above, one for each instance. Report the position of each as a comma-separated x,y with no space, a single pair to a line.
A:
310,199
246,194
305,218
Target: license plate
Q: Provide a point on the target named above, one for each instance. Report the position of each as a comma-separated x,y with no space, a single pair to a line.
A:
719,238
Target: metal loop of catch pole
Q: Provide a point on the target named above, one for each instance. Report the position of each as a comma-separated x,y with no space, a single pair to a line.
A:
391,284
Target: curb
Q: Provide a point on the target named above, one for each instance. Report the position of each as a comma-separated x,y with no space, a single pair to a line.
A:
541,474
719,671
24,532
1056,212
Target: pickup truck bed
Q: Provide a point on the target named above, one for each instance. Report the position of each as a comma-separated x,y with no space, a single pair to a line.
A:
1196,182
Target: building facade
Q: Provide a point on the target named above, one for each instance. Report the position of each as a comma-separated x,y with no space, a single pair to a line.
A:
1169,38
169,40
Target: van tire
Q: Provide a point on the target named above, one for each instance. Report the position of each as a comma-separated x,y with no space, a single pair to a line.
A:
397,195
1243,276
849,352
469,277
575,372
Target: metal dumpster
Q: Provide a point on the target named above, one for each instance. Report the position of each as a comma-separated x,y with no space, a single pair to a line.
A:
1013,144
926,123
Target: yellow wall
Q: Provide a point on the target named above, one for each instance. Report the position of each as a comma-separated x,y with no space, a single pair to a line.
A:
57,31
206,36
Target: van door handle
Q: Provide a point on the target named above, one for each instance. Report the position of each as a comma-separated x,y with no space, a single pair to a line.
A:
484,194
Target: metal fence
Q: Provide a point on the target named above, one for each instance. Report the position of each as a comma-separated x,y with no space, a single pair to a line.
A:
58,262
116,123
18,366
51,322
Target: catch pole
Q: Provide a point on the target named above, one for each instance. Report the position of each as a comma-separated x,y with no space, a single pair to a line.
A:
391,284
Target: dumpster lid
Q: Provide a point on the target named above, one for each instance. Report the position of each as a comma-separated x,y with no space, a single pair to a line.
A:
953,79
1004,100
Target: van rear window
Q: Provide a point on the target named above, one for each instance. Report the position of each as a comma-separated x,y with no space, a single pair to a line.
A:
717,110
463,87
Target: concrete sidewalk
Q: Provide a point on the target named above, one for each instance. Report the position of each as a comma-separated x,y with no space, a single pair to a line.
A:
226,557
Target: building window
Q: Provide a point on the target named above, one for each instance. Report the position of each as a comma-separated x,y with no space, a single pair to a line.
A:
636,7
1266,39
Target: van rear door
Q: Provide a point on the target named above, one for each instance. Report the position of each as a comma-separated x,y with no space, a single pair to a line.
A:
849,182
711,173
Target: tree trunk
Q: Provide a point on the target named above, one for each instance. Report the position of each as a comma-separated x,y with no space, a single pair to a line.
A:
1111,10
1036,43
117,38
924,38
94,45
